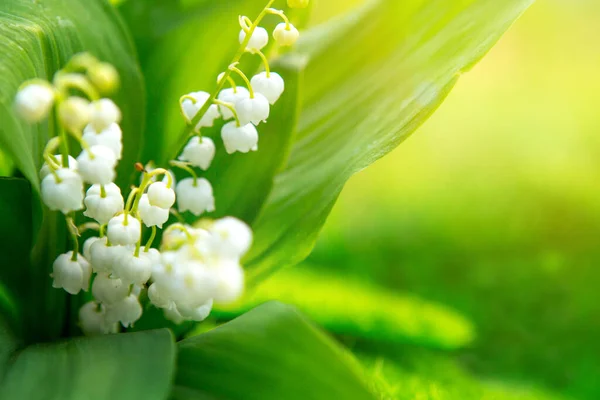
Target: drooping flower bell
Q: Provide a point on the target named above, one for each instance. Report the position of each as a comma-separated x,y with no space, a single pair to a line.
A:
258,40
97,165
103,204
196,197
71,275
34,101
199,151
111,137
239,138
269,85
63,191
191,107
104,113
285,34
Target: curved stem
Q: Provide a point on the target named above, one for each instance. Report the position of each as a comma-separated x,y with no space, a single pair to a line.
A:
281,14
265,61
238,71
74,236
149,242
188,129
185,167
231,107
129,204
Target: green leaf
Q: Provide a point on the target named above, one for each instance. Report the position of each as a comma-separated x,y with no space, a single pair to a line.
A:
37,39
18,281
347,307
272,352
373,78
126,366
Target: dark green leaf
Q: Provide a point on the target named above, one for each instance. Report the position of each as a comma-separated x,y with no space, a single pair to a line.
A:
272,352
38,38
127,366
373,78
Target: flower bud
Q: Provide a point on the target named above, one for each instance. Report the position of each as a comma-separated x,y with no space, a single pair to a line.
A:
104,113
160,195
196,198
243,138
33,101
105,77
74,113
285,35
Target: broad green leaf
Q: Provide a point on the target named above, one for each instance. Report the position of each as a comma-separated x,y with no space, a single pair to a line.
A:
272,352
373,77
347,307
37,39
126,366
19,283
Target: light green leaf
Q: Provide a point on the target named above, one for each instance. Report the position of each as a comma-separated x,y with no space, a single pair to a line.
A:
127,366
272,352
37,39
374,77
351,308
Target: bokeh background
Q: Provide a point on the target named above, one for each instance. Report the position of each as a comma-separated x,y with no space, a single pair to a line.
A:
491,209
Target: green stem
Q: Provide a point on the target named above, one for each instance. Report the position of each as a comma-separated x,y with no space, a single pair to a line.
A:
238,71
265,62
149,242
185,167
231,107
129,203
180,142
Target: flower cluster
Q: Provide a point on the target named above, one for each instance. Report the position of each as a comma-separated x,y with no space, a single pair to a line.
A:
194,266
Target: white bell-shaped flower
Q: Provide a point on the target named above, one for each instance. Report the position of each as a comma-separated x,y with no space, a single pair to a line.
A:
97,165
92,320
255,110
230,237
191,108
154,255
64,194
258,40
158,296
230,282
87,246
160,195
102,209
284,35
104,113
239,138
33,102
199,152
197,314
111,137
74,113
121,232
196,197
102,256
271,86
45,170
194,286
72,276
173,315
152,215
231,96
132,269
126,311
104,76
109,290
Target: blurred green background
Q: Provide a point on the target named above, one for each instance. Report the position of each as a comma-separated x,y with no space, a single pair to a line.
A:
492,209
